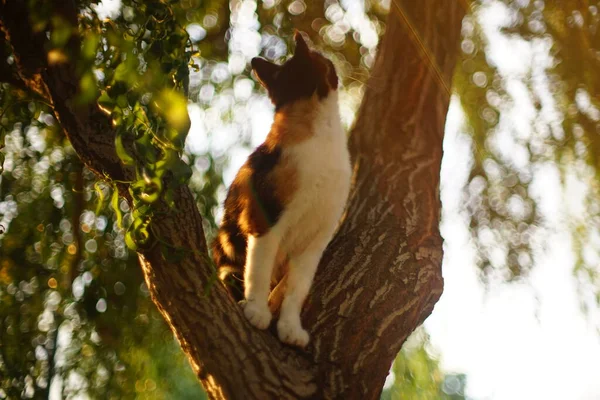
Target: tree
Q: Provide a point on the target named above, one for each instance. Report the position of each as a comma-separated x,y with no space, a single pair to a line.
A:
379,278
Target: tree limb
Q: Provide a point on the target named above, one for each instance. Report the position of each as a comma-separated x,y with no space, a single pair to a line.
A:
380,276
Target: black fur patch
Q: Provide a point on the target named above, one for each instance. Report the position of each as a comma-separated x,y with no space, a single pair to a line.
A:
257,197
231,271
302,75
266,208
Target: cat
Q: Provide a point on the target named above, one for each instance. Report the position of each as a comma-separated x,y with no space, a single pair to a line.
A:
285,202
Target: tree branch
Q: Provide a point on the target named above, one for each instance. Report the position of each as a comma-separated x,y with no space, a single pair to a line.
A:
17,31
379,278
7,73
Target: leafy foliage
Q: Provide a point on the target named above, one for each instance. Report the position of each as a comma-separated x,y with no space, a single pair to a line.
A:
417,375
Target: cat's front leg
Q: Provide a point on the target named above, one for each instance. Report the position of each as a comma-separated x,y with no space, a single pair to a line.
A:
302,270
260,261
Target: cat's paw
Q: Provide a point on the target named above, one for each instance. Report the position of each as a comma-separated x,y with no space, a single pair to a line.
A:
259,316
292,333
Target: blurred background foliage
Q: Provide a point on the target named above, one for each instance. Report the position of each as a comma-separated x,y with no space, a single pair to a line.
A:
416,374
536,118
75,315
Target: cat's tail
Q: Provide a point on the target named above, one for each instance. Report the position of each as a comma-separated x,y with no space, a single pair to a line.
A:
229,254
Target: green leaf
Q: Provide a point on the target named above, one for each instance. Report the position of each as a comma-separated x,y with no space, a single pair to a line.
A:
169,198
130,241
182,171
88,90
175,138
106,103
61,31
172,106
167,162
122,101
138,234
121,152
101,197
127,70
145,148
151,190
89,46
117,116
114,202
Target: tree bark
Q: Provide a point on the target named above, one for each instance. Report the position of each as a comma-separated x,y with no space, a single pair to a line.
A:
380,276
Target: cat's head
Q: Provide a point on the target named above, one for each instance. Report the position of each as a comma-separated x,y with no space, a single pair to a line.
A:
306,73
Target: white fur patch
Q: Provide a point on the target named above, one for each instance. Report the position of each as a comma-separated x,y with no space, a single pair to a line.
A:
323,165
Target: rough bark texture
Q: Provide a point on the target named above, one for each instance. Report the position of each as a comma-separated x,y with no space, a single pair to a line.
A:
379,278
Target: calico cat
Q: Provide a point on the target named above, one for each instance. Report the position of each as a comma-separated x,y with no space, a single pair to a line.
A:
286,200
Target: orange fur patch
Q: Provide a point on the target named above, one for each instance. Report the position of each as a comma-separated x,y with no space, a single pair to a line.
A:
293,123
226,245
276,295
253,219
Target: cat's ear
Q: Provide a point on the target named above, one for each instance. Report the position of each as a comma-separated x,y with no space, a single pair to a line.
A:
265,71
302,49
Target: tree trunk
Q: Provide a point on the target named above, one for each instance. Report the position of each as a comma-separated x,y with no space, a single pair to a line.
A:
380,276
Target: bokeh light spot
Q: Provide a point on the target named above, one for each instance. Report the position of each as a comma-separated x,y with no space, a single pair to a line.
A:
101,305
52,283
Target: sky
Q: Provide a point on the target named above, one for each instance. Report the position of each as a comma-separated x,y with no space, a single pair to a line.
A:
527,340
